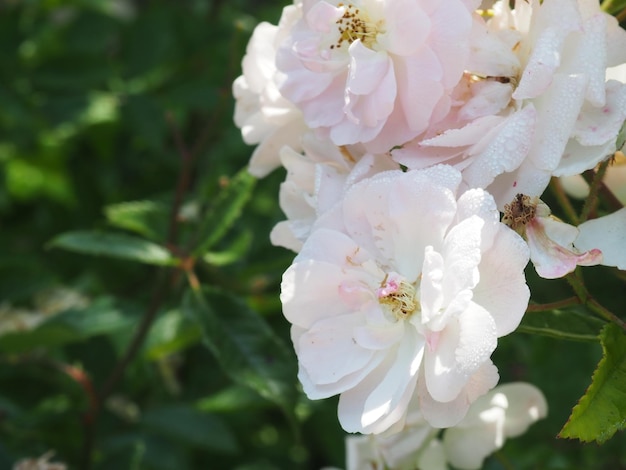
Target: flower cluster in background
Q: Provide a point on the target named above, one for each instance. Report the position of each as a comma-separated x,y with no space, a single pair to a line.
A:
406,128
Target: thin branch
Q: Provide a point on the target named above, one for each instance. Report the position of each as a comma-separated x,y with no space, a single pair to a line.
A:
612,202
144,326
563,200
553,305
578,285
592,200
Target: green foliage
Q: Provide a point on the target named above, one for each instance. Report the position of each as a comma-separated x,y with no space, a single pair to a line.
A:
602,410
571,324
115,245
244,345
101,317
225,209
116,115
145,218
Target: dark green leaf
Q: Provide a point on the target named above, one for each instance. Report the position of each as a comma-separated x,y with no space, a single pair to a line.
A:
171,333
571,324
602,409
115,245
233,253
147,218
234,398
245,346
191,427
225,210
613,6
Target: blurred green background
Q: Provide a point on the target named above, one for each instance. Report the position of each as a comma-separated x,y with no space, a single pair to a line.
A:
101,101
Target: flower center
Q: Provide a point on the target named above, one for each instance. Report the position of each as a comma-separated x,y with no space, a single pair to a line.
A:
353,25
397,296
519,212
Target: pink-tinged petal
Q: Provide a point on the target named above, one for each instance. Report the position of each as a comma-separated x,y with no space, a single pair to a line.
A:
407,27
371,87
386,214
488,99
607,234
557,111
265,157
506,411
447,414
478,202
367,69
258,63
381,399
400,450
328,350
506,151
419,87
431,286
551,259
469,134
502,289
587,53
545,57
491,54
616,43
296,82
382,337
467,449
449,39
461,253
310,292
527,179
416,157
288,235
526,405
315,391
321,16
326,108
334,247
464,345
578,158
599,124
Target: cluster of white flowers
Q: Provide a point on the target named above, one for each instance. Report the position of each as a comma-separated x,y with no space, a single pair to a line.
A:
406,127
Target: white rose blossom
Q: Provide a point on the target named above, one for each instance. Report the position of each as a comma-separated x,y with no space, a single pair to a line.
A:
608,234
375,71
534,102
505,412
264,116
403,288
316,181
551,241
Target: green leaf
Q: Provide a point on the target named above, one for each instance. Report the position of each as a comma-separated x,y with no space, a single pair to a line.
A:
171,333
613,6
191,427
114,245
244,345
146,218
571,324
225,210
602,409
233,253
232,399
101,317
